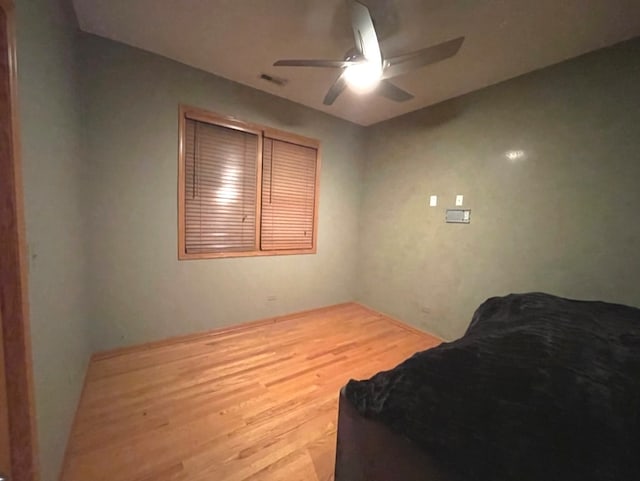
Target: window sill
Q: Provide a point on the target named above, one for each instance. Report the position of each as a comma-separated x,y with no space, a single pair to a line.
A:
183,256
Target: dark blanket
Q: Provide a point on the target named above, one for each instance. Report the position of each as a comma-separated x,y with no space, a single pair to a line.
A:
539,388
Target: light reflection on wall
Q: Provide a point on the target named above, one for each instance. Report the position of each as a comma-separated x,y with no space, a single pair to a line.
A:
514,155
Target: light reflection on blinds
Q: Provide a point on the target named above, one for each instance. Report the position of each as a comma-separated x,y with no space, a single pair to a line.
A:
221,188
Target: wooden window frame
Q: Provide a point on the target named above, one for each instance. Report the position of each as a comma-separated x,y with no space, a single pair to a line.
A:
187,112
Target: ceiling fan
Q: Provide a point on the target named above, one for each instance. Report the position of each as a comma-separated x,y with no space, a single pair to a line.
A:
365,70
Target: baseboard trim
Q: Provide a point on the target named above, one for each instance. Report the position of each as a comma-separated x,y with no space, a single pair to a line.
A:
400,323
74,422
119,351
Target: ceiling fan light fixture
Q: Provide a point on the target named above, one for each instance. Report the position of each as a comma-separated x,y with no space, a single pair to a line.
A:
363,77
363,67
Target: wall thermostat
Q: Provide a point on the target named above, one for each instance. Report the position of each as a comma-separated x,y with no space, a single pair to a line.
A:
458,216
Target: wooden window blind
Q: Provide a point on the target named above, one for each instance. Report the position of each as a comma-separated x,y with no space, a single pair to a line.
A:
244,189
288,195
220,190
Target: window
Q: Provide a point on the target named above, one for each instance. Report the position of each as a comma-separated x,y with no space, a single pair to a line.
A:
244,189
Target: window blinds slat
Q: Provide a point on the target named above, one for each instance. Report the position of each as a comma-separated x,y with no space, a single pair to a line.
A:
220,190
288,195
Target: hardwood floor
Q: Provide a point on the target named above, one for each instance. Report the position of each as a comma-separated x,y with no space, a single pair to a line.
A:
257,402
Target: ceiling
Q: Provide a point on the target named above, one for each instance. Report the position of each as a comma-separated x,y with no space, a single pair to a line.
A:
240,39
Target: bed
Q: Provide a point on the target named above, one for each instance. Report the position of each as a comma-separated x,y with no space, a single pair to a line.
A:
538,388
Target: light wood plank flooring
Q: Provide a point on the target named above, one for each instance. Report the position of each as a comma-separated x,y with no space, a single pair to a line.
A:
258,402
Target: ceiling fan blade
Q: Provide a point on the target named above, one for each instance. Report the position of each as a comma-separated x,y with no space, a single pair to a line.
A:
313,63
392,92
336,89
402,64
364,33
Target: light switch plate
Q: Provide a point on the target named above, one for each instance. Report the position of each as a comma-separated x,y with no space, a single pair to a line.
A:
459,200
433,201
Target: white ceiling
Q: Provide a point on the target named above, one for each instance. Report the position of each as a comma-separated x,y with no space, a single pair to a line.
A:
240,39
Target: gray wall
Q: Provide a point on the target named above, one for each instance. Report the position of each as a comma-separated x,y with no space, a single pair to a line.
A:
562,220
140,291
52,164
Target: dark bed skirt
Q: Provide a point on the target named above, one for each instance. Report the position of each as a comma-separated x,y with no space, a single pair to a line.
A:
369,451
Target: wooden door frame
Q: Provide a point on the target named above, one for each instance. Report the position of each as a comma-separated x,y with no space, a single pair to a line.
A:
14,307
